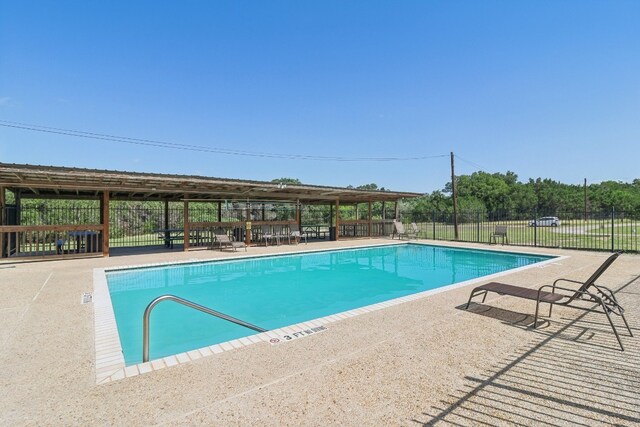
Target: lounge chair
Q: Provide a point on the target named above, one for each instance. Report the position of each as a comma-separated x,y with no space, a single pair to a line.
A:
588,291
399,230
223,239
294,231
414,229
500,231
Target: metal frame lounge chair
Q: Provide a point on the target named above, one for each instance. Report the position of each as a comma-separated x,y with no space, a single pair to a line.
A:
588,291
400,231
415,230
225,241
500,231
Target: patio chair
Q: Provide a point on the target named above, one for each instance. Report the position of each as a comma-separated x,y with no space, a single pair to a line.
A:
399,230
500,231
294,231
266,234
225,241
588,291
278,232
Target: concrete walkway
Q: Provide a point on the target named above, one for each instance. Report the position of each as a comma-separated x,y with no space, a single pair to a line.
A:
425,362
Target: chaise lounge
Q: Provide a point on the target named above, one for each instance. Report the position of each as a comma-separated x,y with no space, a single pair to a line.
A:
400,230
223,239
588,291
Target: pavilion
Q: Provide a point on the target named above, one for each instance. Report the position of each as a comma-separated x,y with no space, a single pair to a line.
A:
104,186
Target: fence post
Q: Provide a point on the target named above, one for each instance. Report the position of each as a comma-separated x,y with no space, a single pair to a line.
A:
613,218
433,220
478,226
535,228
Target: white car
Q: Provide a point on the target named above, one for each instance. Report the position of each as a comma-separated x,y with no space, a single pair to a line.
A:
545,221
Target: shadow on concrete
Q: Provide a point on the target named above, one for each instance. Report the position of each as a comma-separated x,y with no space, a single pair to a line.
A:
571,373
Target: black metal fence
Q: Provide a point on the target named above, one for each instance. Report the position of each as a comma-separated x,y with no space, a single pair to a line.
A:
133,224
140,223
603,230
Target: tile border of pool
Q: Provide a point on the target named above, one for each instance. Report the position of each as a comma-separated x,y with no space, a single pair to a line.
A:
110,364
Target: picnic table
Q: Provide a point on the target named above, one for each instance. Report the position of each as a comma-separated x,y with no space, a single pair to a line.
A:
169,235
319,231
90,240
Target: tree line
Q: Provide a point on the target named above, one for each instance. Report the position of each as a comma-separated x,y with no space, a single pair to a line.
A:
494,192
478,192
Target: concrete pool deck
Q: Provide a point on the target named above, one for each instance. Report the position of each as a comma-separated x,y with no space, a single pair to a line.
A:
425,361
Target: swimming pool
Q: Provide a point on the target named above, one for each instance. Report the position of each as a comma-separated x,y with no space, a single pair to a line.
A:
276,291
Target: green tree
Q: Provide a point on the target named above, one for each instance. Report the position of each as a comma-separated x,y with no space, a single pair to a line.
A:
292,181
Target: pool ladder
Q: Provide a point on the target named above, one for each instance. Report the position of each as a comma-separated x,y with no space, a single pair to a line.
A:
152,304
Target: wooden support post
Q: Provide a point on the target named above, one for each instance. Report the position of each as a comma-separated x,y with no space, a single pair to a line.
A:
331,223
166,214
263,215
18,221
397,212
186,224
247,230
219,211
357,217
18,198
2,220
384,217
370,220
298,215
105,223
2,206
337,219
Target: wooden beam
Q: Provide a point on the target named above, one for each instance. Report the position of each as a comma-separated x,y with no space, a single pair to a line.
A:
337,219
186,225
74,227
2,220
166,214
2,205
370,222
105,223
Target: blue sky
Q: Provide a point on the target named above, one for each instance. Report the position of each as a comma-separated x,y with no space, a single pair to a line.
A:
543,88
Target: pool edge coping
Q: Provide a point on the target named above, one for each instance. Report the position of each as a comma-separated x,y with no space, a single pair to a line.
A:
110,365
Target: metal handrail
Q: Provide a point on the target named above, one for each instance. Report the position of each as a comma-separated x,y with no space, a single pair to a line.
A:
152,304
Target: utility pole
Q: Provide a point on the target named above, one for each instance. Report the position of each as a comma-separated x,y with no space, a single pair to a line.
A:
454,196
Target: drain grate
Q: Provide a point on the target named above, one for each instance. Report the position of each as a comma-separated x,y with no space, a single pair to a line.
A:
87,297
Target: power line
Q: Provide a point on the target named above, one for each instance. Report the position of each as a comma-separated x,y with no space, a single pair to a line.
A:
201,148
476,165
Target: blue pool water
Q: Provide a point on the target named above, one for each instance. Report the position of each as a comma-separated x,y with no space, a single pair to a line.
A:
273,292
